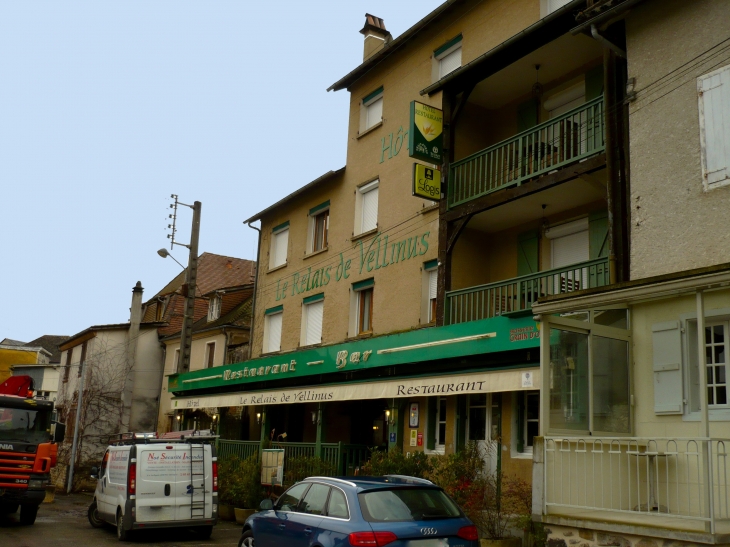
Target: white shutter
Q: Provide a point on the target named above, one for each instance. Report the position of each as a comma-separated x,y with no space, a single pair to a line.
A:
554,5
281,242
314,311
374,113
667,342
449,63
714,105
432,282
369,210
273,335
570,249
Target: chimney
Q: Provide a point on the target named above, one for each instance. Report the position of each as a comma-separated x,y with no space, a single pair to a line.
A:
376,36
135,318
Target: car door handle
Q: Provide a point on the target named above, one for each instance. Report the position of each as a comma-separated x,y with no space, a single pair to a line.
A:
282,526
307,530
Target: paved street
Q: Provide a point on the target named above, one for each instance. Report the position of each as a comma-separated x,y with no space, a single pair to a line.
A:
63,523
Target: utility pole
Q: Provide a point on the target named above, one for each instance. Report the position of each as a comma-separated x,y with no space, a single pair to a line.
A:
77,421
191,276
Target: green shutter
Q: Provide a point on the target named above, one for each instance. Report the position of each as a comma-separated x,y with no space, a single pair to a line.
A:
527,115
520,407
598,235
594,83
431,424
527,253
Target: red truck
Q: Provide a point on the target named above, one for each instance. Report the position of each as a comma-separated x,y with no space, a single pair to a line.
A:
28,447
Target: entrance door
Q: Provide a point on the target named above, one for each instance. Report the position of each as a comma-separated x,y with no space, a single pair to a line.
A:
478,429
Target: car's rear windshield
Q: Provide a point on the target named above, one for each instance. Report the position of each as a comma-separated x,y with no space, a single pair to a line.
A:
407,504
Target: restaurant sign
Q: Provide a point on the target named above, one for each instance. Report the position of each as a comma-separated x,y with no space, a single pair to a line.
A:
427,344
426,133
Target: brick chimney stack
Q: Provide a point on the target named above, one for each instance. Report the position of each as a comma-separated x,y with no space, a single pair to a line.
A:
376,36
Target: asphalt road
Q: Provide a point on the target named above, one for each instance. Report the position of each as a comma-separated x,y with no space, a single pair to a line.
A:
63,523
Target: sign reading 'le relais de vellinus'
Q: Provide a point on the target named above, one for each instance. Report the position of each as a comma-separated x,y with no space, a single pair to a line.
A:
426,133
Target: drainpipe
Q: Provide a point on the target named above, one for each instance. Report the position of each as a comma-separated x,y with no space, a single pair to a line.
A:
255,290
607,43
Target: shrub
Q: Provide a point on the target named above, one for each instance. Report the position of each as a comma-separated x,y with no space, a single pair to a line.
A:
299,468
240,482
395,462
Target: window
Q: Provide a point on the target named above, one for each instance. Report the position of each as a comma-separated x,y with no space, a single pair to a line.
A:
366,213
447,57
714,106
337,506
214,308
371,110
67,368
528,420
312,313
570,244
436,426
361,308
319,223
279,245
289,500
209,354
589,376
716,351
176,360
272,329
315,500
430,270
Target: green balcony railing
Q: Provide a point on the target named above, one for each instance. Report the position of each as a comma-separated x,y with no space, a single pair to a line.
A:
517,295
560,141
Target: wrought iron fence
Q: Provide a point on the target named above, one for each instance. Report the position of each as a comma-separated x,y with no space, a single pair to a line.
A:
517,294
653,477
560,141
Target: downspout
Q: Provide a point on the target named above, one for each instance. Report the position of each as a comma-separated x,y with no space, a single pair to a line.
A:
607,43
255,291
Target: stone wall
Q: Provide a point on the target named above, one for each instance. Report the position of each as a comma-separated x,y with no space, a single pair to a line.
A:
563,536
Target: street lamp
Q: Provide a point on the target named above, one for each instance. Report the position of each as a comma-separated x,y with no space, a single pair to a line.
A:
164,253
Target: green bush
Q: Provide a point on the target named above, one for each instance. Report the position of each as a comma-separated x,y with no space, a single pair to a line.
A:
299,468
239,482
395,462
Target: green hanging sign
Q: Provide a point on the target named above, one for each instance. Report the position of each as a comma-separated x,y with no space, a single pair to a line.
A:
426,133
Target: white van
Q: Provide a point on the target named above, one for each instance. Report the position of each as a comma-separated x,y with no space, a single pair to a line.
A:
157,483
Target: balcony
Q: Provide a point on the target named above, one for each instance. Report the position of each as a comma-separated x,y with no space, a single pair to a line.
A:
549,146
673,484
515,296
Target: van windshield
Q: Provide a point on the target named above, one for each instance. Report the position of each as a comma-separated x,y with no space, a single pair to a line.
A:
407,504
23,425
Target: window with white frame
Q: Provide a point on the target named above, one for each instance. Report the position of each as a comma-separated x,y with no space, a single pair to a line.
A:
319,223
279,245
447,57
714,108
366,207
272,329
209,355
569,244
361,307
371,109
436,426
528,420
312,315
716,351
430,285
214,308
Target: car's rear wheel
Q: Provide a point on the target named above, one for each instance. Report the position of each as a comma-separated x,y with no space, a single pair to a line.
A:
28,514
246,539
94,518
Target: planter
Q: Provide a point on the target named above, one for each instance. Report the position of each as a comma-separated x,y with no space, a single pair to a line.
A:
243,514
507,542
225,512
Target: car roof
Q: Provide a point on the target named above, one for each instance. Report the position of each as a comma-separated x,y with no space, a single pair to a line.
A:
374,483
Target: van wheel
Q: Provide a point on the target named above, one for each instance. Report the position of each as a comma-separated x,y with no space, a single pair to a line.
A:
28,514
246,539
93,515
204,532
122,534
8,508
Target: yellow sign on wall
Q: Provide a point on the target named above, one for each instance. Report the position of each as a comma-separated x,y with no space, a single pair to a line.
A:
426,182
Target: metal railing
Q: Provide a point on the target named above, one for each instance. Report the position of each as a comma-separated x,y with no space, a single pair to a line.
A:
650,477
345,458
550,145
517,294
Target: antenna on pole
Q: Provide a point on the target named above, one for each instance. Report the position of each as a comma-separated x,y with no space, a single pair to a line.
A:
173,216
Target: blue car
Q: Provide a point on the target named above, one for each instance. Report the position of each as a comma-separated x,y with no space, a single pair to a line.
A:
360,511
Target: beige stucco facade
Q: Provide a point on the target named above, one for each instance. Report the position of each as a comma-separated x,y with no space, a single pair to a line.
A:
675,223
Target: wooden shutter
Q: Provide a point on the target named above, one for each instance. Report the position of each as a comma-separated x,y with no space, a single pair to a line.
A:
527,253
668,389
431,423
449,62
273,338
598,235
527,115
369,210
314,322
714,106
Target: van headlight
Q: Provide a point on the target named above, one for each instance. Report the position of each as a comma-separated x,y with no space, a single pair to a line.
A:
35,483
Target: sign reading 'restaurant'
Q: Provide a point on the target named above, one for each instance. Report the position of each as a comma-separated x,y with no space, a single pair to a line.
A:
426,133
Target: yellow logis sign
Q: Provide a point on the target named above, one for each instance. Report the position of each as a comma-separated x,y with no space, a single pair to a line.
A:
426,182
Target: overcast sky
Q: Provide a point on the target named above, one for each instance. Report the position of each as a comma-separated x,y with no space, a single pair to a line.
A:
107,108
